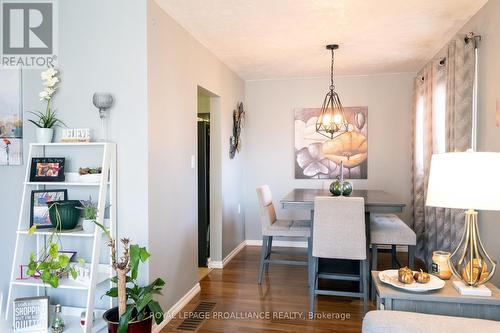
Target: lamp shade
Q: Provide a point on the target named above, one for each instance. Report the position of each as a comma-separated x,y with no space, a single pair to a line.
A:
469,180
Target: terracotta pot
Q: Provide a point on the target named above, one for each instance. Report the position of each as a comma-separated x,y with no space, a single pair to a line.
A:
143,326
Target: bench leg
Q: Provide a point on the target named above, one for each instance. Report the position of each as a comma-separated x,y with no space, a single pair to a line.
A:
263,254
309,262
411,256
365,270
312,289
394,257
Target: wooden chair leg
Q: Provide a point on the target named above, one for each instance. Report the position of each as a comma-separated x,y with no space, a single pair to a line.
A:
393,256
268,254
411,256
263,254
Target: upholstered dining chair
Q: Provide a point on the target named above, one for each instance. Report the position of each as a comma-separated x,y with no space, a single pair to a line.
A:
339,232
272,227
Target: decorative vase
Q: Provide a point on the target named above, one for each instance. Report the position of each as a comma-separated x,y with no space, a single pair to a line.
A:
336,188
44,135
88,226
141,326
68,213
346,188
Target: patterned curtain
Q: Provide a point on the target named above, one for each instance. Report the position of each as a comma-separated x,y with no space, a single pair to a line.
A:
442,122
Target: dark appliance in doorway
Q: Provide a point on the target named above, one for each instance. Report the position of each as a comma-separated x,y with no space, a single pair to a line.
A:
203,193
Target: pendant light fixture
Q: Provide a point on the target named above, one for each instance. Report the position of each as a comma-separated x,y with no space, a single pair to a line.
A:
332,122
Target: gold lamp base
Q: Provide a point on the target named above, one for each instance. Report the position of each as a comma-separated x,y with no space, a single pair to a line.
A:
470,262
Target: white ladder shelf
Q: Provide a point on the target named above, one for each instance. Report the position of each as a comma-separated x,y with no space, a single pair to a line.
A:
99,273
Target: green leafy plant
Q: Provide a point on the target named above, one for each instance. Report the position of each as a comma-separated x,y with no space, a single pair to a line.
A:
46,119
89,209
50,265
135,303
90,171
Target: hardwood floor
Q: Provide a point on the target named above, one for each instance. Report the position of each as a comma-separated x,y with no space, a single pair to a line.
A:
283,297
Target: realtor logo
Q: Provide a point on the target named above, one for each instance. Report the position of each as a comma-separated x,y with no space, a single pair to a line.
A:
28,33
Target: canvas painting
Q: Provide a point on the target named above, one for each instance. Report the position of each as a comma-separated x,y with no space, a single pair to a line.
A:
11,122
318,157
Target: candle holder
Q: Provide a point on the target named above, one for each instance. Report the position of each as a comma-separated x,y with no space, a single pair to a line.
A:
103,101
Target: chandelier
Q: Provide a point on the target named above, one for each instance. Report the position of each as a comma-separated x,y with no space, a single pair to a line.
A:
332,122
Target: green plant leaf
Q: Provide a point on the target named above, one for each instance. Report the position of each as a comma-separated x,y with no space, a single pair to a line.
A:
137,254
73,273
128,279
112,292
32,230
43,266
54,250
157,311
63,260
55,265
143,302
81,261
45,276
124,320
54,281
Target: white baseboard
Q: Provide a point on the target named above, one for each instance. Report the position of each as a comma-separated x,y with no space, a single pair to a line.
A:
228,258
177,307
278,243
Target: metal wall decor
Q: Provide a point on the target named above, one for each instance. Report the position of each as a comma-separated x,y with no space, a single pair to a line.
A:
235,140
332,122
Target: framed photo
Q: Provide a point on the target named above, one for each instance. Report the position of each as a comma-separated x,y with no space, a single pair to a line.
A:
39,207
47,169
31,314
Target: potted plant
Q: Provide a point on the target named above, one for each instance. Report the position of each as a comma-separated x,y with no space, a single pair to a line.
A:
89,209
49,264
46,121
64,214
136,306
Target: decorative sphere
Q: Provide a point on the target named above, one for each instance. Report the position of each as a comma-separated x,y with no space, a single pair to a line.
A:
336,188
102,100
346,188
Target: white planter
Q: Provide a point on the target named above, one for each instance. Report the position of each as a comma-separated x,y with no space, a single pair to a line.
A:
88,226
44,135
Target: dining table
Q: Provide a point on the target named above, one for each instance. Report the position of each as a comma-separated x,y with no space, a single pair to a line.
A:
376,201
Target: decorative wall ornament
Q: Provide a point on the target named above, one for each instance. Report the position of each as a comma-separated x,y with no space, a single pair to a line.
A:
317,156
11,118
235,140
75,135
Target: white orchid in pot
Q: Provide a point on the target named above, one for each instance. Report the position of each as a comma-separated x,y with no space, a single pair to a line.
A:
47,120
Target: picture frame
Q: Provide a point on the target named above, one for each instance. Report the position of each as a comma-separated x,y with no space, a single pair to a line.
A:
30,314
47,169
40,210
11,117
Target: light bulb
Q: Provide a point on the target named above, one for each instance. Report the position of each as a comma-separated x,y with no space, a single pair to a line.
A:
337,119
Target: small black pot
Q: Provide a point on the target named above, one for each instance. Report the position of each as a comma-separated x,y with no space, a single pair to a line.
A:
143,326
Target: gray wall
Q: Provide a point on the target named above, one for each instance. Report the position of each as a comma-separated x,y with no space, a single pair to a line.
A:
487,23
102,47
177,65
270,133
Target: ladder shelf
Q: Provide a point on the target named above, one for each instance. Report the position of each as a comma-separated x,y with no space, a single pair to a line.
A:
100,273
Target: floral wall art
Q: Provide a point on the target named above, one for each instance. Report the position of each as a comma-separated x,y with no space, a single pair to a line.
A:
317,157
11,121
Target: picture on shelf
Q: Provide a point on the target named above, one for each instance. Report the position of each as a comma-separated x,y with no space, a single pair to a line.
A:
47,169
40,209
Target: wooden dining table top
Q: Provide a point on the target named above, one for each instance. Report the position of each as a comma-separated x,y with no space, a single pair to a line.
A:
375,200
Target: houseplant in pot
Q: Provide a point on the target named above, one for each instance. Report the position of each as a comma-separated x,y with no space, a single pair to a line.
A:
47,120
64,214
136,306
49,264
89,210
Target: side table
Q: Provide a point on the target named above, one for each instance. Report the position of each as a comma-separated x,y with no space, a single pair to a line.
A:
446,301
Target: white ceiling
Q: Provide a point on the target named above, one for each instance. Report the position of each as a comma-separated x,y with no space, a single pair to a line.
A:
271,39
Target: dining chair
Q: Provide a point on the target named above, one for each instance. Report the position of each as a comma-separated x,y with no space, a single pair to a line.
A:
272,227
339,232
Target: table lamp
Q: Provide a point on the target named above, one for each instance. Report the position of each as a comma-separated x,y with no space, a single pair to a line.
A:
469,181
